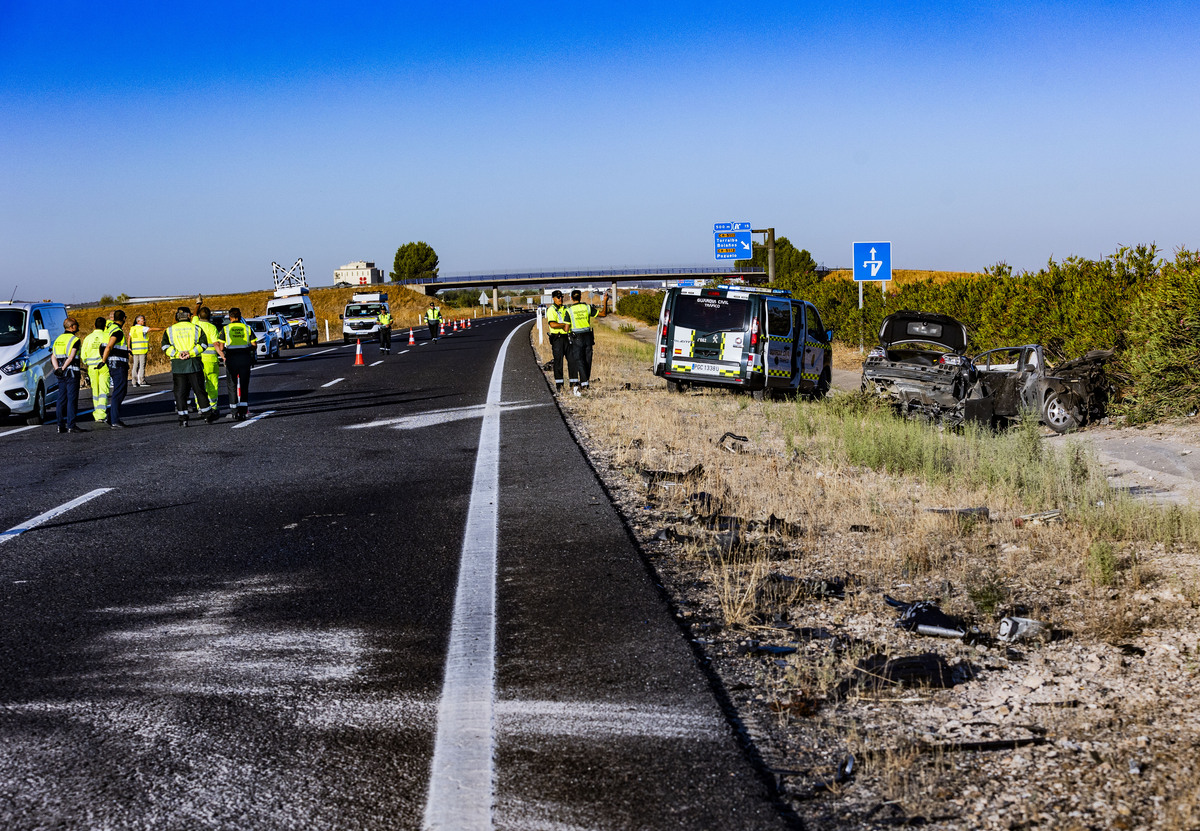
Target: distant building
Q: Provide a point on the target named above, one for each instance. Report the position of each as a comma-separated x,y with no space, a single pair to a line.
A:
360,273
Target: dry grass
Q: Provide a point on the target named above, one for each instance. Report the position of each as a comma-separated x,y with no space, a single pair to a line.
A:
859,481
903,276
407,308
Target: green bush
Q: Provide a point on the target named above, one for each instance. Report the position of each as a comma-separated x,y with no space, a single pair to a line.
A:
644,306
1165,326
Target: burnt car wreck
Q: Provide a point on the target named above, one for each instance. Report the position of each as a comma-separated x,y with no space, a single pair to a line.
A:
921,365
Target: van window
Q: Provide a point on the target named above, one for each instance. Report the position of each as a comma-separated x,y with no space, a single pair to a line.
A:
710,314
12,326
779,317
812,320
289,310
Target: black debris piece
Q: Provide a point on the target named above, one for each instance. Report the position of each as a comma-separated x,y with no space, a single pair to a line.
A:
926,618
775,525
736,443
928,670
861,529
962,513
655,476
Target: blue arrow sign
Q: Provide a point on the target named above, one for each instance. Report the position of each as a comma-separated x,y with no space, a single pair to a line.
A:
872,261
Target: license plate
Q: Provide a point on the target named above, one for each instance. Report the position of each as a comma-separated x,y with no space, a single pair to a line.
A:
711,369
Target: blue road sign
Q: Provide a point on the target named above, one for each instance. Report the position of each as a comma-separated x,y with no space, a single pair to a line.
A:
872,261
733,241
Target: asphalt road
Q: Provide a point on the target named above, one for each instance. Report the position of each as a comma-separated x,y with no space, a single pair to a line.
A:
248,626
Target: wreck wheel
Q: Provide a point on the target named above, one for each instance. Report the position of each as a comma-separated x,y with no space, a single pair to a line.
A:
1057,415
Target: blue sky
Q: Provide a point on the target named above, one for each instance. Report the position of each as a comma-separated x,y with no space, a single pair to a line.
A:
175,147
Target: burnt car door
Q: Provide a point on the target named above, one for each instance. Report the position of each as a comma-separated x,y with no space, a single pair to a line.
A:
999,373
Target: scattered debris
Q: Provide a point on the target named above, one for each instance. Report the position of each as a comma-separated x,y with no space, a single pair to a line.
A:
926,618
1013,629
962,513
654,477
775,525
861,529
736,445
704,503
1040,518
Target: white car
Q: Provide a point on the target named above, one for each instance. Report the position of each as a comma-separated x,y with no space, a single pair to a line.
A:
268,341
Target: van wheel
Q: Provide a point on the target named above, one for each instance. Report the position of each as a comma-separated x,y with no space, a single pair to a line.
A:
823,384
313,338
760,395
38,416
676,386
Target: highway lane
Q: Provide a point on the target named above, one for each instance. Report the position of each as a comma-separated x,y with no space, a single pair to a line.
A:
250,628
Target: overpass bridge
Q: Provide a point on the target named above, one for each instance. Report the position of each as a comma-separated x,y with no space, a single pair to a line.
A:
610,277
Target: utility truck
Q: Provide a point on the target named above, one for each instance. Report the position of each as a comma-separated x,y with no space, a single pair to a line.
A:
360,320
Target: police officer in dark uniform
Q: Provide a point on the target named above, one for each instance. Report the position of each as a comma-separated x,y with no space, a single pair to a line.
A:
237,345
66,362
116,358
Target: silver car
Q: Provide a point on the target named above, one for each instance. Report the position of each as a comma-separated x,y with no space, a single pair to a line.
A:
281,328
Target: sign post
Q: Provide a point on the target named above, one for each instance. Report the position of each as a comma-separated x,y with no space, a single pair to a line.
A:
872,261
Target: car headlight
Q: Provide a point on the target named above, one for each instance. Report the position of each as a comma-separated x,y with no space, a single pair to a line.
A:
17,366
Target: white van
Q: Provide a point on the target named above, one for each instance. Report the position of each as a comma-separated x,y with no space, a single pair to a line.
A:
360,320
759,340
27,333
296,307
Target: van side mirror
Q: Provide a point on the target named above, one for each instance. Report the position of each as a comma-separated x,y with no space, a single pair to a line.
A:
341,317
42,339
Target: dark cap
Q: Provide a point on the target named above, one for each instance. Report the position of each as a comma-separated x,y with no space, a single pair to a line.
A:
556,293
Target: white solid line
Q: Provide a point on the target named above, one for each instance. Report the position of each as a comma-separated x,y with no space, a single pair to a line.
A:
144,397
462,777
402,352
261,366
18,530
377,363
331,383
20,429
250,421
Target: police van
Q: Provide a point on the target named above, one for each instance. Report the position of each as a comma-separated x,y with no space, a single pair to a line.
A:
760,340
297,309
360,320
27,381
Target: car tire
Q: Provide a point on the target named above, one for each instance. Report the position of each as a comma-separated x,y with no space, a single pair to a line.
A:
38,416
1057,415
676,386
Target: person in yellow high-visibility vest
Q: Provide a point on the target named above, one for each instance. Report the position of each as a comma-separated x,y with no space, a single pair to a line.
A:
238,345
184,342
97,370
385,332
582,338
210,360
65,360
139,349
433,317
560,339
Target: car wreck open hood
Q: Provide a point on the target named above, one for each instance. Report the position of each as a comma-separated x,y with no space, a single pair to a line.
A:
923,327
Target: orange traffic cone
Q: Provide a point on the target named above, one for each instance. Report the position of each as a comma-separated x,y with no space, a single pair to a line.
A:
358,361
468,323
442,329
456,324
411,340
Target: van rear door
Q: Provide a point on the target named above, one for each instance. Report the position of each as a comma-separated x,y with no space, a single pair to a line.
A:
707,333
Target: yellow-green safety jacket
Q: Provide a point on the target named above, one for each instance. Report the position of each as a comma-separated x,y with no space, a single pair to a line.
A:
209,355
93,348
558,314
385,319
238,335
139,339
581,315
63,345
433,314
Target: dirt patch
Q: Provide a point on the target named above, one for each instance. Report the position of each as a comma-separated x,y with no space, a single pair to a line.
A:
779,560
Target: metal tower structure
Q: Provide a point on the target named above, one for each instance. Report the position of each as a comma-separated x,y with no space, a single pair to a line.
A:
288,278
